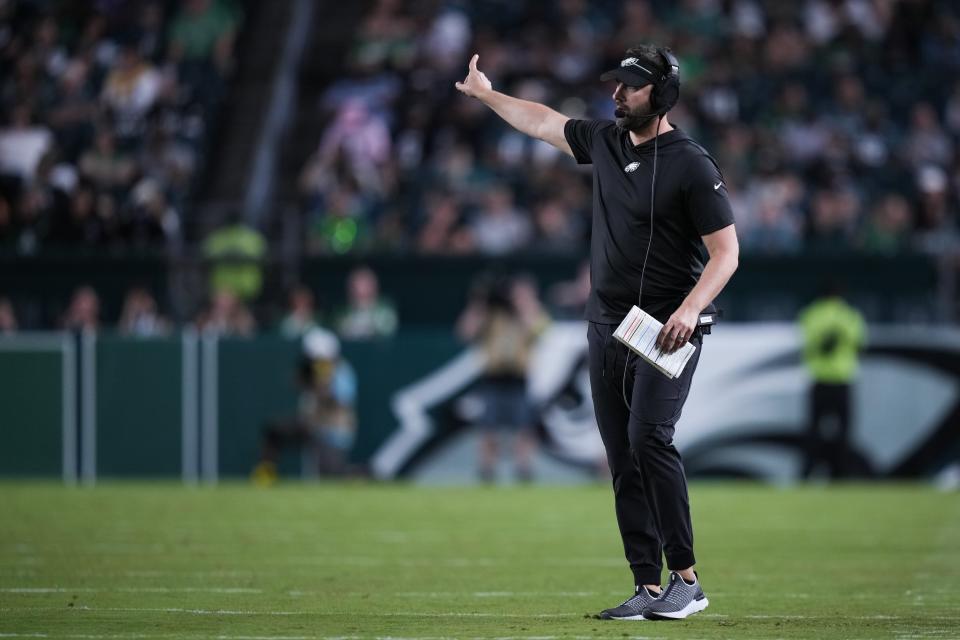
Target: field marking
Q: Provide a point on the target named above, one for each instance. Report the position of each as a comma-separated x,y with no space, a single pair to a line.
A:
237,612
453,614
447,614
404,614
180,635
128,590
501,594
297,593
93,636
788,616
378,561
295,565
118,636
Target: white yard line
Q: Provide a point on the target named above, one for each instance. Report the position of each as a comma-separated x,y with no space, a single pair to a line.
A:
235,612
466,594
128,590
118,636
441,614
378,561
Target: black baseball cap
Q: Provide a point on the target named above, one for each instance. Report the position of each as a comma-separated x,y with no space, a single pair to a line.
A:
634,72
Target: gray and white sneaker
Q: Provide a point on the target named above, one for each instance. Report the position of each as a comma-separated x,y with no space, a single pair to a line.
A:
678,600
632,608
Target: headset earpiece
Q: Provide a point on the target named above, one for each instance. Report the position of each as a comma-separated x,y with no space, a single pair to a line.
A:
666,92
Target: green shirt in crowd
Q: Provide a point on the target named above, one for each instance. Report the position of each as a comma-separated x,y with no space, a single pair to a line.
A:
198,34
833,334
236,251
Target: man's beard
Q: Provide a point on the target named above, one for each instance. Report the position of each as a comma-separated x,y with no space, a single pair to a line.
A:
636,121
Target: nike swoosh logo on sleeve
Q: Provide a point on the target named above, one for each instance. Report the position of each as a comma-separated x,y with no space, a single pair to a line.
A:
717,186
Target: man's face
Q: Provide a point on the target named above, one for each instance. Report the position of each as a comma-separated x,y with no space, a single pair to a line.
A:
633,106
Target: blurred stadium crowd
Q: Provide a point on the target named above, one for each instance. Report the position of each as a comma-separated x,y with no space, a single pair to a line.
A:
365,313
836,122
106,109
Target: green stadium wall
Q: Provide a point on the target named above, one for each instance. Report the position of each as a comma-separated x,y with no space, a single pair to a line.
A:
138,399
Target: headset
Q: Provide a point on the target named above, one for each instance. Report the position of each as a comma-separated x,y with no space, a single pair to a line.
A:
666,88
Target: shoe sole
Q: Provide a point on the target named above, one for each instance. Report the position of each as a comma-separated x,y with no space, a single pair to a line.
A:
696,606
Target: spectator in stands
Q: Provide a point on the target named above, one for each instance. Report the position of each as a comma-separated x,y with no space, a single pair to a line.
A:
235,252
33,221
443,230
340,224
8,318
227,316
820,139
151,221
503,319
391,232
150,36
140,317
367,314
83,314
47,52
130,91
22,144
169,161
105,166
776,228
326,422
204,32
558,229
834,218
81,227
927,142
818,111
359,138
888,226
457,169
72,116
386,38
202,38
67,94
499,226
937,228
301,315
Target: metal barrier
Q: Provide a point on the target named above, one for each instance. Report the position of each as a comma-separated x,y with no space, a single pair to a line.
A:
125,406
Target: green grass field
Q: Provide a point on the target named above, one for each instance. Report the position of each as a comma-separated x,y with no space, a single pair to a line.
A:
373,561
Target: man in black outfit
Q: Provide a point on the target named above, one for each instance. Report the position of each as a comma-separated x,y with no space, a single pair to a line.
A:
658,200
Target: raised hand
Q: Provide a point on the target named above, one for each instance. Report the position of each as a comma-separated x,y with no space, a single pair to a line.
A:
476,81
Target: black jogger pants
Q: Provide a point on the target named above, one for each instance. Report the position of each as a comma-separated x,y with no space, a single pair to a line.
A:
649,486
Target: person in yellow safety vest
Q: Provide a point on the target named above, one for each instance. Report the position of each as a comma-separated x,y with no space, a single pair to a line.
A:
235,252
833,335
